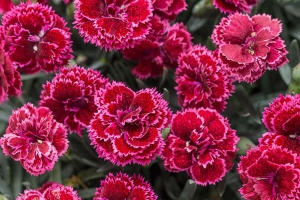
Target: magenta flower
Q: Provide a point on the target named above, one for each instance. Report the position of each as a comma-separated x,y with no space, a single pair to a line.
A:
50,191
127,127
70,96
201,81
269,173
283,115
34,138
122,186
5,6
43,45
169,9
256,47
201,143
160,49
232,6
10,79
113,25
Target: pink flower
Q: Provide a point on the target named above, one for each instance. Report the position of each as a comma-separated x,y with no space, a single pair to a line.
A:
70,96
283,115
5,6
127,127
50,191
122,186
283,141
160,49
232,6
256,47
269,173
113,25
43,45
34,138
201,143
10,79
201,81
169,9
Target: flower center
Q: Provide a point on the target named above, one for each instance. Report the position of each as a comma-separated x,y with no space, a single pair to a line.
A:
198,149
249,44
75,104
272,180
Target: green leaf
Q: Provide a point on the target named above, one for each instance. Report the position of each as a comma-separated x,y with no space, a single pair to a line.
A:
222,186
188,191
286,73
5,189
55,174
86,193
294,54
17,177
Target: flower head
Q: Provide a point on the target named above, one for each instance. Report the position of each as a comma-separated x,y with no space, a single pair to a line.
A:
113,24
282,116
201,143
232,6
122,186
70,96
42,45
50,191
34,138
10,79
169,9
269,173
127,127
257,46
201,81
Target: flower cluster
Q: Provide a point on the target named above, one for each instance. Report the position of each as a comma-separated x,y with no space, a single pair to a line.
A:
272,170
257,46
122,186
126,128
70,96
201,143
169,9
230,6
10,79
42,45
34,138
50,191
201,81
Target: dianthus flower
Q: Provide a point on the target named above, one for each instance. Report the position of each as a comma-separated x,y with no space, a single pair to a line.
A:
155,53
70,96
10,79
113,25
5,6
127,127
34,138
269,173
201,143
255,47
50,191
169,9
232,6
122,186
201,81
42,45
283,141
283,115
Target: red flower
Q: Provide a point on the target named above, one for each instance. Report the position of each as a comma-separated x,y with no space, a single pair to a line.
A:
290,143
232,6
201,80
43,45
269,173
35,139
247,53
283,115
10,79
51,191
202,143
160,49
122,186
70,96
5,6
113,24
168,9
127,127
